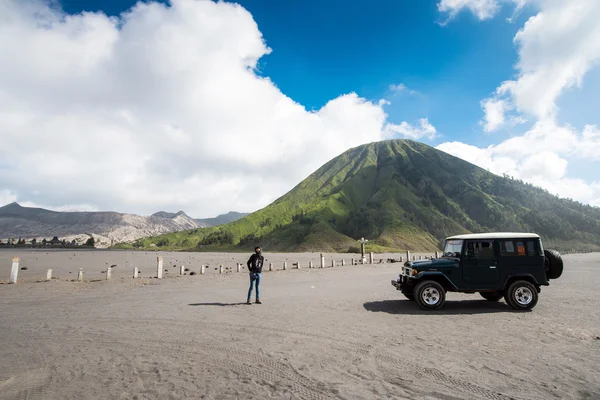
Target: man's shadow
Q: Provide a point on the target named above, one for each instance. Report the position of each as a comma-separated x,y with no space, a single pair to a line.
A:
216,304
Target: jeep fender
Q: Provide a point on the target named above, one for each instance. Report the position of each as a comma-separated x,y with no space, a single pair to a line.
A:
526,277
435,276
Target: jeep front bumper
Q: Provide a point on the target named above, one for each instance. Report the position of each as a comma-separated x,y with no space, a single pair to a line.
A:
404,282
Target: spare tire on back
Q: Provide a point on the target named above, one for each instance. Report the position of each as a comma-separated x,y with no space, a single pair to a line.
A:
554,264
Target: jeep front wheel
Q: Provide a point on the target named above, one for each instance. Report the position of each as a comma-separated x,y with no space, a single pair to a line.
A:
492,296
430,295
521,295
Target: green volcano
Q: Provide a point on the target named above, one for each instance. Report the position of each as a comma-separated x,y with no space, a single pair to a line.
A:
400,195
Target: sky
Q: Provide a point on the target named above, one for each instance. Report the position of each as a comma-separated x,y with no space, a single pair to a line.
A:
209,107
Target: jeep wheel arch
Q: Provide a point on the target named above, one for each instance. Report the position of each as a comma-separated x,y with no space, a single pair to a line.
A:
554,263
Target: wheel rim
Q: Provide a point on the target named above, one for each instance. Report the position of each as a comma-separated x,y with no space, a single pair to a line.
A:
431,296
523,296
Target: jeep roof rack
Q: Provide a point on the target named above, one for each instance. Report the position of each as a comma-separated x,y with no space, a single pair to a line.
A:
496,235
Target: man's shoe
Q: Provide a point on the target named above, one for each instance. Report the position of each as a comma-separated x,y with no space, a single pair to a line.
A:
248,301
258,301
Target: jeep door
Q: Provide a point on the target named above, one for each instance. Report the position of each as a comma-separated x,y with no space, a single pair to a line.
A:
480,264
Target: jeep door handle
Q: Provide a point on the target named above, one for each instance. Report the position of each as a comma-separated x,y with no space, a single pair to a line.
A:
492,266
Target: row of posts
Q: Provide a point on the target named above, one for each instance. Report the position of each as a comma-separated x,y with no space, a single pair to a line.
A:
14,272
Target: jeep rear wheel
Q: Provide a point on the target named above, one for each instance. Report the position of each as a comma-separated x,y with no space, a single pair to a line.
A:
430,295
492,296
521,295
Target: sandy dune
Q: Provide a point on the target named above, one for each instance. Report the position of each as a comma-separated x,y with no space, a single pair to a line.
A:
334,333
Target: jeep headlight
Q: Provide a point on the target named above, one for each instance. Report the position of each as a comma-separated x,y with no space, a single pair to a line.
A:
415,272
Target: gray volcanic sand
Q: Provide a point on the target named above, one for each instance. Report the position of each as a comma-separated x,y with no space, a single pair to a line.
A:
332,333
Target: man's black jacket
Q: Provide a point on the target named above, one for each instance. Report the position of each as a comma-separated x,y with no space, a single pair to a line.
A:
255,263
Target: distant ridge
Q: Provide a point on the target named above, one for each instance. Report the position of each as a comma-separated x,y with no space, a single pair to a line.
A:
105,226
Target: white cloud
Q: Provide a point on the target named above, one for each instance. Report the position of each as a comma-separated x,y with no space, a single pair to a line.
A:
400,88
159,108
482,9
494,114
406,130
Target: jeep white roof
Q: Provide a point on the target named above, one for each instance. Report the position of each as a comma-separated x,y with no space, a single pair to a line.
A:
496,235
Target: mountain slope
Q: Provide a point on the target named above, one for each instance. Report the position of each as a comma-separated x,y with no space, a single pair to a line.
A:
399,194
221,219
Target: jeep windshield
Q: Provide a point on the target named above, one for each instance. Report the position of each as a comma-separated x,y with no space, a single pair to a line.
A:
453,248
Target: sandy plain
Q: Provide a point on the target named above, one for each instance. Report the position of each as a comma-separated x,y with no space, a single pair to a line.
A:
332,333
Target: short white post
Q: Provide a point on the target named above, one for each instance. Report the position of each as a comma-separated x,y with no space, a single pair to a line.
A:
343,262
420,257
159,267
14,270
332,263
181,269
80,275
108,273
239,266
310,264
270,266
136,271
437,254
401,259
49,274
284,266
414,258
353,261
298,264
322,261
202,270
371,258
407,255
220,269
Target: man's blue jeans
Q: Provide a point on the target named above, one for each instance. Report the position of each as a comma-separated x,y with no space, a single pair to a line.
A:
254,279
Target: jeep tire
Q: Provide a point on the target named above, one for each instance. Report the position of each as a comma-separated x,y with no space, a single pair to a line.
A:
521,295
553,263
430,295
492,296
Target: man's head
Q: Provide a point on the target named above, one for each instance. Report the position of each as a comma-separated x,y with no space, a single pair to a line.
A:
257,249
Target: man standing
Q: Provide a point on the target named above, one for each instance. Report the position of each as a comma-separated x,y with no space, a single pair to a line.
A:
255,264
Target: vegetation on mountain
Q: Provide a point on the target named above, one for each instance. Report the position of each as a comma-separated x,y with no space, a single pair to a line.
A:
400,195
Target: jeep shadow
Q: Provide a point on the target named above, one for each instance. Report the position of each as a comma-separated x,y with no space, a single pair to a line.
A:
457,307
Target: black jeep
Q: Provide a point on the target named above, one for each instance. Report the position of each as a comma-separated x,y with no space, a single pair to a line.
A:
496,265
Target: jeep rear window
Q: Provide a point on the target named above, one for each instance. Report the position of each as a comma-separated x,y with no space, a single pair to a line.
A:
517,248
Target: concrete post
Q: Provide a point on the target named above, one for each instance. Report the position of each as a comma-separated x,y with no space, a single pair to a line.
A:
322,261
437,254
202,270
420,257
181,269
407,255
310,264
298,264
49,274
284,266
371,258
220,269
136,272
353,262
332,263
343,262
80,275
239,267
159,267
108,273
270,266
14,270
401,259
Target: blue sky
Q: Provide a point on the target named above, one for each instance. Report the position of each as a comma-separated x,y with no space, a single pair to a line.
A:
182,88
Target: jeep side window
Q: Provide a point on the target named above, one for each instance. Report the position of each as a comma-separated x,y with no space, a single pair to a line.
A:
479,250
